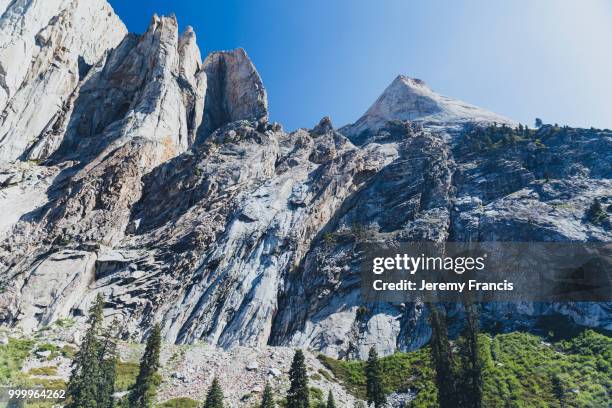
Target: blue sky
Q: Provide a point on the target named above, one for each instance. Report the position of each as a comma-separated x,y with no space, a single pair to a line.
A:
519,58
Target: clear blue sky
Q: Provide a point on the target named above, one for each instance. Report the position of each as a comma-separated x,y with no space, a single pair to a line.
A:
519,58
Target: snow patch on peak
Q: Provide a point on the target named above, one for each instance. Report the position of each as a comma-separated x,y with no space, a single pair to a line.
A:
412,100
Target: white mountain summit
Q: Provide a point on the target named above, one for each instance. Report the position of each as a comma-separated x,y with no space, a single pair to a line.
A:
411,99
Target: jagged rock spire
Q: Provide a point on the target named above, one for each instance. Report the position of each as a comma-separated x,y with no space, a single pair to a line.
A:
91,86
235,90
43,44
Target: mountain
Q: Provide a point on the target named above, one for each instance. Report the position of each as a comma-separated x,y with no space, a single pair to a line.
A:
412,100
132,168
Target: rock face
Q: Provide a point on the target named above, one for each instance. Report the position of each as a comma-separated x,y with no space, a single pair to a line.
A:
234,91
45,50
157,180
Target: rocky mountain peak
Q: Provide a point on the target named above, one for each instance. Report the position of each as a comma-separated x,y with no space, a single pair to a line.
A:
191,59
410,99
324,126
235,90
92,87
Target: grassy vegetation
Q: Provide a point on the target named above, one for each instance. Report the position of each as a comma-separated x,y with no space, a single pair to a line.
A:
12,357
180,403
401,371
316,377
326,374
52,384
68,351
316,397
65,323
521,370
43,371
126,375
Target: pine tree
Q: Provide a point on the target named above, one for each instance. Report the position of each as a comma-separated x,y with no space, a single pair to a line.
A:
298,394
267,400
596,213
558,390
470,377
374,386
214,397
330,400
108,364
443,360
143,392
83,386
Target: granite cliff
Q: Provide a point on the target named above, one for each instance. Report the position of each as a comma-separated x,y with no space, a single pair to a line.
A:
131,167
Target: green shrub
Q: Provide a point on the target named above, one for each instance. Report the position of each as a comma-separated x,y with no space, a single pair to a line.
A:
520,369
68,351
179,403
596,213
316,397
67,322
43,371
316,377
329,238
326,375
126,375
12,357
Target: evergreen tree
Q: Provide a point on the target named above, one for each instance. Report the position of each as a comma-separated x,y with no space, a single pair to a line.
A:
596,213
443,361
144,390
374,386
470,378
267,400
538,123
298,394
83,386
214,397
108,364
330,400
558,390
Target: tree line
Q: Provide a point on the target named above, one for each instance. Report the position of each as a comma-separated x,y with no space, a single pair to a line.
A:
92,379
458,370
458,365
